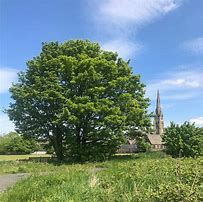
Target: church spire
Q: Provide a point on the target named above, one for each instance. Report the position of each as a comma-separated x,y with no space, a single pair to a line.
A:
159,122
158,104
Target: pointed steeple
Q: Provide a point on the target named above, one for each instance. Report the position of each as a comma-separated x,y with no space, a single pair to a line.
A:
159,122
158,104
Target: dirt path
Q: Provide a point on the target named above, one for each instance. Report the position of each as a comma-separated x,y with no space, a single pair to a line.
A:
10,179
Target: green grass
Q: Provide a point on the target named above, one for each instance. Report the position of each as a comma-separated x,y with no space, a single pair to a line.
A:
151,177
20,164
20,157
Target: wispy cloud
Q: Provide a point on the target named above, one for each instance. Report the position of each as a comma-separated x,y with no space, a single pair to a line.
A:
198,121
195,46
7,76
184,84
135,12
123,48
121,19
6,124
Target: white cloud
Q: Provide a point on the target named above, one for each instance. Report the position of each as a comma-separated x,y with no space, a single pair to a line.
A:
182,82
120,19
195,45
7,76
198,121
125,49
124,12
178,85
5,124
179,95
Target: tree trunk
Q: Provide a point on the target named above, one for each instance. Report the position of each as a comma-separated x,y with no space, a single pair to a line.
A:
58,145
78,143
59,152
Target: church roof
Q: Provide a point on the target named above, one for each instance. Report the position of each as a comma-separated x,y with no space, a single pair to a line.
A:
131,141
155,139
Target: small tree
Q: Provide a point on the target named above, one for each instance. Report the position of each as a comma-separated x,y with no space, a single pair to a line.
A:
15,143
183,140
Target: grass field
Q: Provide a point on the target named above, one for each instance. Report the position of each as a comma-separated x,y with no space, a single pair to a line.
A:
150,177
20,157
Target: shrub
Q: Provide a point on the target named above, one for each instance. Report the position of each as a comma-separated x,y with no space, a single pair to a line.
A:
183,140
13,143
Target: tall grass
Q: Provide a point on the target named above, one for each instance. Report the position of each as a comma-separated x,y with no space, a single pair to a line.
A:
21,157
137,178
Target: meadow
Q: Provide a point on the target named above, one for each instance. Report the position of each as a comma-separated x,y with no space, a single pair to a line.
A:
20,157
144,177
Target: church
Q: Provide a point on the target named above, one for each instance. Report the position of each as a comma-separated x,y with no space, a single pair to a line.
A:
154,139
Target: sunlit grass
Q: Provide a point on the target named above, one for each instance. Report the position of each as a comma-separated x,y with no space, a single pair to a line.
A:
152,177
20,157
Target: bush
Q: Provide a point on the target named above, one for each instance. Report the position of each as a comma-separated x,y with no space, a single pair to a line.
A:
183,140
143,145
13,143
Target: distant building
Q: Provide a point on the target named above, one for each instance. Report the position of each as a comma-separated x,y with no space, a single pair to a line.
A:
156,142
129,147
158,118
156,139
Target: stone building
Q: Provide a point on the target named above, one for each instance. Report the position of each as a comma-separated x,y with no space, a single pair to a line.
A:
156,139
129,147
156,142
158,118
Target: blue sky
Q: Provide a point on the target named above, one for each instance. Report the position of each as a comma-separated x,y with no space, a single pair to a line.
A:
162,38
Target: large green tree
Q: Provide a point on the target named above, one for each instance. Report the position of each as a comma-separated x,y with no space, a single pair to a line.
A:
82,99
183,140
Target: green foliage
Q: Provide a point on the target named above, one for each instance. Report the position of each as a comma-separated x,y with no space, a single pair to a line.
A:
14,143
183,140
201,139
80,99
48,148
144,177
143,145
141,139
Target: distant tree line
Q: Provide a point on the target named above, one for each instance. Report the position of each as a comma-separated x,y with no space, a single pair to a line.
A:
13,143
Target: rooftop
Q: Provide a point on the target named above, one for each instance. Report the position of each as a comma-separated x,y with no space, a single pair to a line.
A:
155,139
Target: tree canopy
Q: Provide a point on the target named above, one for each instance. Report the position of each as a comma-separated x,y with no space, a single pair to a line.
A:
183,140
14,143
82,99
